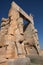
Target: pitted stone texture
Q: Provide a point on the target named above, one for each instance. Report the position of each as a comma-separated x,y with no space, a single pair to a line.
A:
13,13
12,32
20,24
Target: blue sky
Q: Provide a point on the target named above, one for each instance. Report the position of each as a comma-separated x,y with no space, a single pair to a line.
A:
29,6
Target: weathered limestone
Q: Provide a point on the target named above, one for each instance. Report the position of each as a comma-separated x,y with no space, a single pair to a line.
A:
32,38
20,25
14,32
17,42
41,52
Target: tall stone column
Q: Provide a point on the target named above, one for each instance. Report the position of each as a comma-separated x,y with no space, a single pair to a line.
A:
14,31
34,37
10,38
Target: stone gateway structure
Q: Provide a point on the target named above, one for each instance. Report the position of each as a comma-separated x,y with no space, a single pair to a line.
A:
18,39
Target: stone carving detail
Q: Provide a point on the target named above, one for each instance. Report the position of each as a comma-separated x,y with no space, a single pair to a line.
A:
17,42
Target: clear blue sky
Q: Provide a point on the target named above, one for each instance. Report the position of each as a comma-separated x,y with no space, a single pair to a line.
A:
30,6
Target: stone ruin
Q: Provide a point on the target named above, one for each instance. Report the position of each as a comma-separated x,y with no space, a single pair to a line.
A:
18,39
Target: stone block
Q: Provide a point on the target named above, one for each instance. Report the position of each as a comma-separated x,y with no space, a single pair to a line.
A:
19,61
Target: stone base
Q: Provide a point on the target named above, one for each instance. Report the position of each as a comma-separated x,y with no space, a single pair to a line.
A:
19,61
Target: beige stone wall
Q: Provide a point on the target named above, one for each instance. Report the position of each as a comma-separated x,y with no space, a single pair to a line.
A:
18,43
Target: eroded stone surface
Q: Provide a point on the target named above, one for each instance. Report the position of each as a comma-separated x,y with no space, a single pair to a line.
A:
18,43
